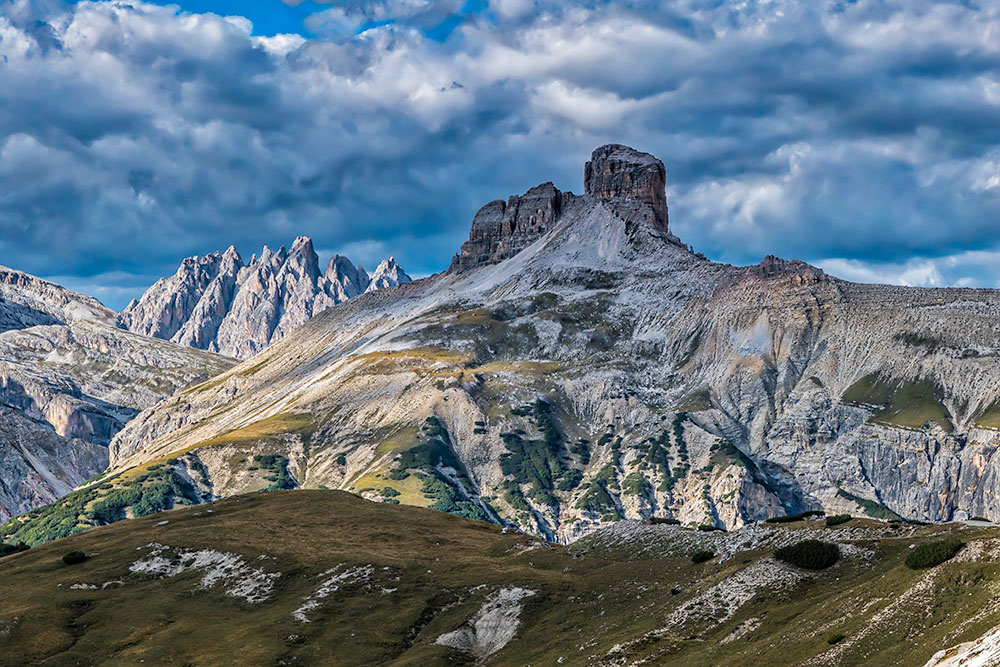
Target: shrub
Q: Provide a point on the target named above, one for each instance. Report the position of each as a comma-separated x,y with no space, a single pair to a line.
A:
932,553
8,549
835,638
810,554
838,519
664,520
341,460
74,557
707,527
702,555
978,518
389,492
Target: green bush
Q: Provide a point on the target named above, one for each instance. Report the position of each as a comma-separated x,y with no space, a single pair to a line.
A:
835,638
664,521
74,557
932,553
8,549
389,492
702,555
838,519
341,460
810,554
707,527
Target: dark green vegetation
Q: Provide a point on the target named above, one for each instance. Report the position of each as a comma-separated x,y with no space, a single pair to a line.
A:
837,519
933,553
137,493
664,521
810,554
8,549
873,509
905,404
74,557
276,468
835,638
432,572
702,556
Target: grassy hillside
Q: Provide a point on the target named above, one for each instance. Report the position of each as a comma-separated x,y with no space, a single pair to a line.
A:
326,578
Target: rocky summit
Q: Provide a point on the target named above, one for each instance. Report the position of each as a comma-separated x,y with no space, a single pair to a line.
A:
220,304
629,182
578,366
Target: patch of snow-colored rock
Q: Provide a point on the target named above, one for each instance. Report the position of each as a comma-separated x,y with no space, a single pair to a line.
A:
333,580
218,568
982,652
492,627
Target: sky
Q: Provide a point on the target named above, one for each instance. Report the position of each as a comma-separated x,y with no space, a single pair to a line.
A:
861,136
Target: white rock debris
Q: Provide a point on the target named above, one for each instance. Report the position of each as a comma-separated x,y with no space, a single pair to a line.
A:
983,652
336,577
492,627
220,568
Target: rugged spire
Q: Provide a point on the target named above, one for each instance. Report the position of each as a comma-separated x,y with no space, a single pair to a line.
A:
620,172
633,185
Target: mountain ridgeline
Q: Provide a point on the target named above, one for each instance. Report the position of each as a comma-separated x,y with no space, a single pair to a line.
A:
578,365
220,304
69,381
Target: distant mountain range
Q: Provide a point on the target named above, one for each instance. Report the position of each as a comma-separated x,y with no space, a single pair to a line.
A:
220,304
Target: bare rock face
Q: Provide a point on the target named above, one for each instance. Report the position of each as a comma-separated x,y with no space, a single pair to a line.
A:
387,274
346,280
501,230
630,183
69,381
27,301
623,174
220,304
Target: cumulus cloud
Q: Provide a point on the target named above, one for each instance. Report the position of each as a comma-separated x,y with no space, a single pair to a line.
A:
860,135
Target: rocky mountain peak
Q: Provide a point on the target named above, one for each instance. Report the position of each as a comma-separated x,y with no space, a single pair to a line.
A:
218,303
387,274
620,172
632,184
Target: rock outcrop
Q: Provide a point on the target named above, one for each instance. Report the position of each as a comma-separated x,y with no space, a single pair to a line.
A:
502,229
630,183
220,304
27,301
628,177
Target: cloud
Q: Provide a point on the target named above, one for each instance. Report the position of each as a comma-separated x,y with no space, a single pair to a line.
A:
860,135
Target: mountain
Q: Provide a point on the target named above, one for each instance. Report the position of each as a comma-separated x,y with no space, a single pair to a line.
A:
323,577
578,365
69,381
27,301
220,304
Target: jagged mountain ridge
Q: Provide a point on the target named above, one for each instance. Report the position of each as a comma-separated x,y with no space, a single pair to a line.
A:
69,381
606,371
220,304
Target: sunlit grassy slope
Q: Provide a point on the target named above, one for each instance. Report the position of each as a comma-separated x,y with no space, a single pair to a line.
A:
430,572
